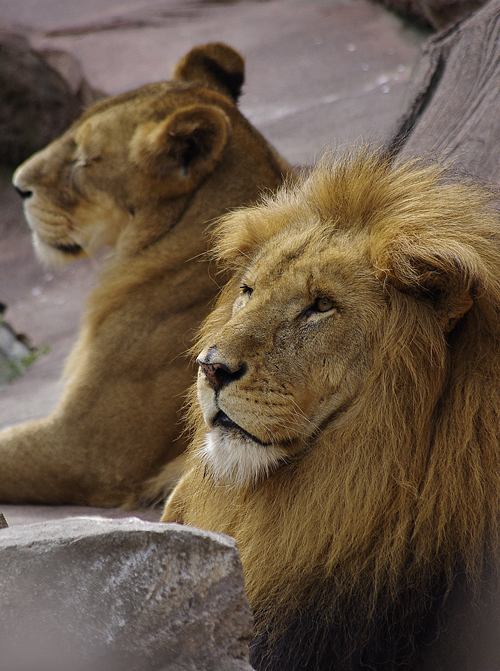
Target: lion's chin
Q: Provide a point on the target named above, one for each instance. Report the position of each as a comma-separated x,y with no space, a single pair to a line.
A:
235,458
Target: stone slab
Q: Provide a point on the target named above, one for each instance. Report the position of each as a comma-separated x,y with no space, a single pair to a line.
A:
453,101
31,514
109,595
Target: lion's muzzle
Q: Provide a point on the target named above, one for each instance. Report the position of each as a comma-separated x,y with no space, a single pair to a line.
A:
219,374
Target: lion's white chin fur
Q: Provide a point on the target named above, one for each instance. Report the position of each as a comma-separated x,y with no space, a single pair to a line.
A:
237,459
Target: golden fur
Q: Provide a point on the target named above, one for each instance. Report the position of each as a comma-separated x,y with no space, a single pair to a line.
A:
145,173
348,426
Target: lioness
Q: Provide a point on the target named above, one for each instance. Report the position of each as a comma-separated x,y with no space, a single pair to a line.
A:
144,172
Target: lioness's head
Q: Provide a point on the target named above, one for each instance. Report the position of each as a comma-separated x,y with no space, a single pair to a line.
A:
130,155
323,273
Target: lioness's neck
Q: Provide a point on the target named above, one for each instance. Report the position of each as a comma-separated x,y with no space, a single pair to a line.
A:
148,224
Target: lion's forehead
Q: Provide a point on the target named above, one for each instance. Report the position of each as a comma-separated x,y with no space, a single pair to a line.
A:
312,263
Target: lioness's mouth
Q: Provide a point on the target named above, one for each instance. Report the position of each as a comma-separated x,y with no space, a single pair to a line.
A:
223,421
73,249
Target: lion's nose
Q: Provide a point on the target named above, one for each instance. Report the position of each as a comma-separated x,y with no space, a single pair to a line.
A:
219,375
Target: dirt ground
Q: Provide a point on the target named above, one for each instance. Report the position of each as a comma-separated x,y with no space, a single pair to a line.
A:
320,73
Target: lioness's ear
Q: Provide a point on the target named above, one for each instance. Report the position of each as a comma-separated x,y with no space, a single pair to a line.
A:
184,147
447,280
215,65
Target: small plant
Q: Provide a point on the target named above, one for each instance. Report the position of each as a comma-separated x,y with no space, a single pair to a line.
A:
16,355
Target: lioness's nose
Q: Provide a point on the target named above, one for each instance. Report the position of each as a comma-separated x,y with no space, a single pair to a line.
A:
22,193
20,183
219,375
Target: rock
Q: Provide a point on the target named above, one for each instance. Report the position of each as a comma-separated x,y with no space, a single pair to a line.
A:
409,8
439,14
121,595
36,103
71,71
454,97
3,522
442,14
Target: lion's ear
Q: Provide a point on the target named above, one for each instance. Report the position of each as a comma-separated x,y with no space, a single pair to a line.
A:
184,147
445,279
215,65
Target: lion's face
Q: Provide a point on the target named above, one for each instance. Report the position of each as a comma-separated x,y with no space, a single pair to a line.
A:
292,354
126,156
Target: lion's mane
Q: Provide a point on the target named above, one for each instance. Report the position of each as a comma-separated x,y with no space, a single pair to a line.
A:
355,550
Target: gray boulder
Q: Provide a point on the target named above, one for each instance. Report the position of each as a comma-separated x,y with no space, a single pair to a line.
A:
454,97
121,595
439,14
37,102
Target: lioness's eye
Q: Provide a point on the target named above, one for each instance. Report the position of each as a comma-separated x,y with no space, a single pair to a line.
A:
245,289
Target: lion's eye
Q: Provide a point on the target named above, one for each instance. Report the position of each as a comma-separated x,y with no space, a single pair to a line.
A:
246,290
243,298
323,304
320,305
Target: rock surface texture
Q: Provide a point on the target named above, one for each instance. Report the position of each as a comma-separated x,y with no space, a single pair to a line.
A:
36,103
439,14
454,97
102,595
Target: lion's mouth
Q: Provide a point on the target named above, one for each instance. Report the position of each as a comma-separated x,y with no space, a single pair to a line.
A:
224,422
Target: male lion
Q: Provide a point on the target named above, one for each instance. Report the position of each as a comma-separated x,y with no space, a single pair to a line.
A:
348,426
143,172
